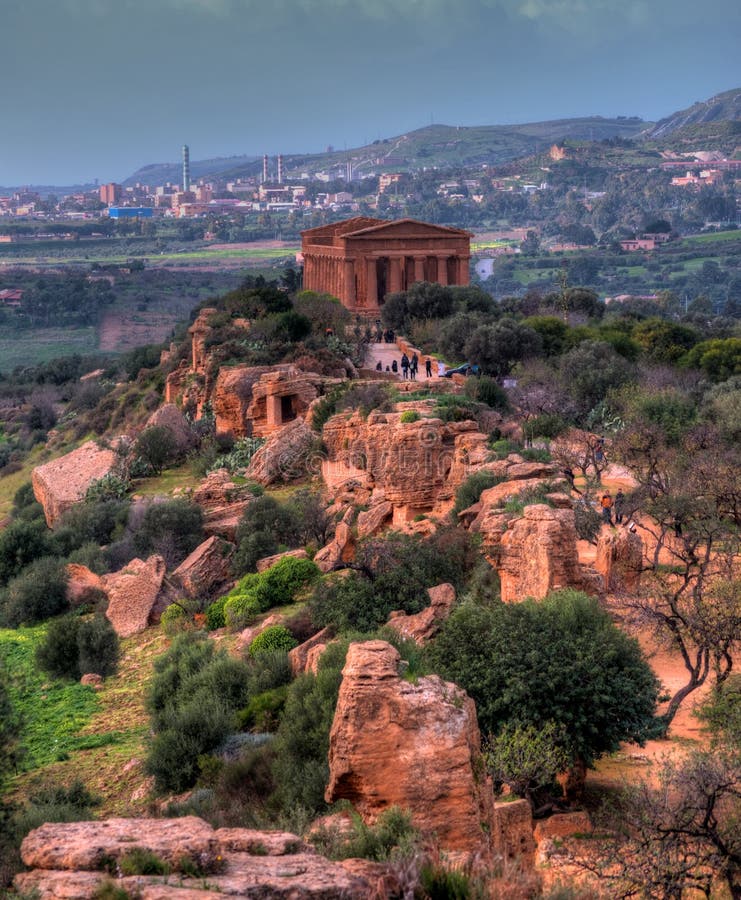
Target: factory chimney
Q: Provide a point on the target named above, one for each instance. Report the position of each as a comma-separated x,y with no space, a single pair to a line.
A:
280,168
186,168
265,169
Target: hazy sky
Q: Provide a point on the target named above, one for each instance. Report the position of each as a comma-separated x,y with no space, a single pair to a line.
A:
97,88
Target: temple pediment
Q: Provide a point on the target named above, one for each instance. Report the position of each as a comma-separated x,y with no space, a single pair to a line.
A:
406,228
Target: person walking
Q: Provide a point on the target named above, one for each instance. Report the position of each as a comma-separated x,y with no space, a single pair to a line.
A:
413,366
405,366
606,504
428,367
394,366
619,506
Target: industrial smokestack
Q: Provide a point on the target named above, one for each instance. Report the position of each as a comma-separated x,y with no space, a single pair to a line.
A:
186,168
265,168
280,168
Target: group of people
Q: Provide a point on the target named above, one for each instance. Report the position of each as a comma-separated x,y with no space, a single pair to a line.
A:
386,337
608,504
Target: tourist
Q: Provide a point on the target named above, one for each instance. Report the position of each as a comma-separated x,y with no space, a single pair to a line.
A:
606,504
428,367
394,366
440,369
619,506
379,366
405,366
413,367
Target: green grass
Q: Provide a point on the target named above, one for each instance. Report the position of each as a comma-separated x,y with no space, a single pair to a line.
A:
712,238
26,348
53,711
180,477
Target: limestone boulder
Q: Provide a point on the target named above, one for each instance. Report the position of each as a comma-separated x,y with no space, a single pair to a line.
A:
538,554
372,520
288,454
206,569
60,484
416,746
423,626
267,561
513,831
81,583
223,503
340,549
66,863
619,560
172,419
302,657
563,825
232,397
133,593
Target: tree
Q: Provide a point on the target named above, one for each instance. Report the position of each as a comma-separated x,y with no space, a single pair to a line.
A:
173,529
560,661
590,370
155,447
496,348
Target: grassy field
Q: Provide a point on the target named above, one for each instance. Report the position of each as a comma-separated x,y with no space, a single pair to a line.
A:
23,348
720,236
71,731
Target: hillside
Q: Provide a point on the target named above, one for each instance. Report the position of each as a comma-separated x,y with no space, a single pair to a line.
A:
725,107
159,173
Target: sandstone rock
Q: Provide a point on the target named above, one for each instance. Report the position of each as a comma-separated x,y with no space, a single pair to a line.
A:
340,549
232,397
538,554
133,593
81,582
287,454
170,417
500,494
423,626
267,561
299,657
620,560
313,657
223,503
84,845
412,745
60,484
260,843
513,831
92,679
373,520
563,825
206,568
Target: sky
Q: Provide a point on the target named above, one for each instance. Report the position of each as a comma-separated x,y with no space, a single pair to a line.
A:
97,88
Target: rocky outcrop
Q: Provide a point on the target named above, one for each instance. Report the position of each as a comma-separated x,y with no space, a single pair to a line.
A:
305,657
340,549
267,561
248,635
416,746
133,593
223,503
513,831
67,861
372,520
417,465
82,584
60,484
206,569
171,418
619,560
232,397
423,626
563,825
287,454
538,554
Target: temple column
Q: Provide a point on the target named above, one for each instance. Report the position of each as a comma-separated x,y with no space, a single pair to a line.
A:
442,270
349,292
419,268
464,270
273,411
394,274
372,290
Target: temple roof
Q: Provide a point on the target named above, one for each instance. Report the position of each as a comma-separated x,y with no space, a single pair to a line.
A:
362,226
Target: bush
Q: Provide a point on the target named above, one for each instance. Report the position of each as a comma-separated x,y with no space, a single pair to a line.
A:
273,639
155,447
487,390
215,614
98,647
174,619
277,586
264,710
38,593
98,522
73,647
409,415
393,836
527,759
173,528
472,489
109,487
241,611
265,525
20,544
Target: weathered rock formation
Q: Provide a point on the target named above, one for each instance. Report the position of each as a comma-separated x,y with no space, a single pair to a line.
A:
67,862
171,418
305,657
248,635
287,454
619,560
206,569
373,520
267,561
81,583
423,626
416,746
538,554
232,397
417,465
223,503
60,484
512,837
133,593
341,549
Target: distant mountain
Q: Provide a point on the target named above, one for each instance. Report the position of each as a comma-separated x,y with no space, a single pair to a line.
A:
160,173
725,107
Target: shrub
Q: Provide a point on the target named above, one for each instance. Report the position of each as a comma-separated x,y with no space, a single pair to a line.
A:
57,655
98,522
38,593
109,487
264,710
273,639
472,489
173,528
240,456
215,614
241,611
392,836
155,447
487,390
174,619
20,544
98,647
409,415
526,758
277,586
547,425
140,861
